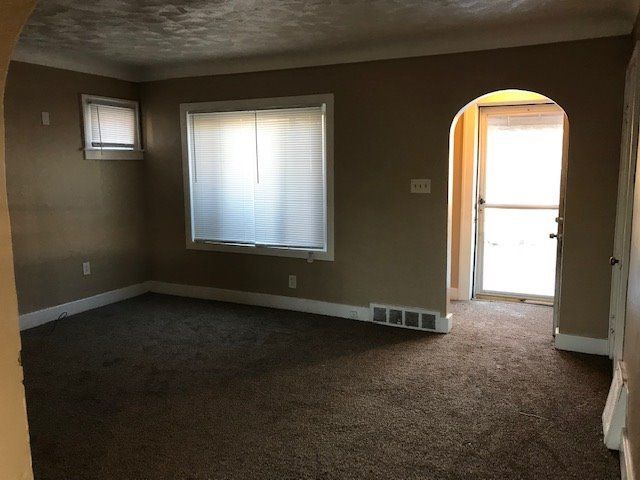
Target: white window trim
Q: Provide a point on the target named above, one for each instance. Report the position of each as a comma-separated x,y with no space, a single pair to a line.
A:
96,153
261,104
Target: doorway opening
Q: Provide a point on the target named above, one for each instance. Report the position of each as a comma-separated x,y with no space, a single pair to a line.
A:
508,152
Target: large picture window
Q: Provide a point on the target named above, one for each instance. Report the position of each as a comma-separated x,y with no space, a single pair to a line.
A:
258,176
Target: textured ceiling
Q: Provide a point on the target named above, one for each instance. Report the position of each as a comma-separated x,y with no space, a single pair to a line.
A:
147,36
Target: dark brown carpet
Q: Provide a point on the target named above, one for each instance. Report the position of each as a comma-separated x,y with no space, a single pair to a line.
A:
160,387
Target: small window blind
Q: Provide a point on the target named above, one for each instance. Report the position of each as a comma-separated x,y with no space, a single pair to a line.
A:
259,177
112,127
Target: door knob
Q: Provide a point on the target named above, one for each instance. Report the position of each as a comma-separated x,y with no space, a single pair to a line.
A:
554,235
613,261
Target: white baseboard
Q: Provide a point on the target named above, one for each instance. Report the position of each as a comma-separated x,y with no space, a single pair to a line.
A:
614,415
352,312
575,343
626,461
263,300
40,317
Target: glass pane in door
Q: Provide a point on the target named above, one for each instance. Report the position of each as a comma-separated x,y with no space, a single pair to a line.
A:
518,255
523,159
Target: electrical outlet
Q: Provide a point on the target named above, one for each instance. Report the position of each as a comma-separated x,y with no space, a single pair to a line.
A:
420,185
46,120
353,314
293,281
86,268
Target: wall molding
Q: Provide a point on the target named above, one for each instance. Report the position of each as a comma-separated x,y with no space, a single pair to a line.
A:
76,62
282,302
297,304
576,343
46,315
626,460
614,415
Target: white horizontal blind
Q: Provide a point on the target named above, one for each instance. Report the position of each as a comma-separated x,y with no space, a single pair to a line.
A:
222,176
112,127
290,203
534,121
258,177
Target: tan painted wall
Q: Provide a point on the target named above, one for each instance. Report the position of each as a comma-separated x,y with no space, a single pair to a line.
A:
632,336
631,354
15,456
65,209
632,327
392,123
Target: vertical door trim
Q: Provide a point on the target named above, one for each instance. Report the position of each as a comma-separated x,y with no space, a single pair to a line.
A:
624,208
468,203
557,297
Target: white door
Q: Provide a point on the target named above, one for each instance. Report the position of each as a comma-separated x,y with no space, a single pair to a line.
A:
519,200
622,239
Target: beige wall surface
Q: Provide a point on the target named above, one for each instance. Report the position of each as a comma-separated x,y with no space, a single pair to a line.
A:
15,456
392,123
632,336
65,209
631,353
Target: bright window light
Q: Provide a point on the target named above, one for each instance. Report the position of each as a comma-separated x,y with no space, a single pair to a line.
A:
258,179
111,128
522,171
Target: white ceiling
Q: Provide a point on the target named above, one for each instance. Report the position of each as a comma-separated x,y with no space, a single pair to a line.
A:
151,39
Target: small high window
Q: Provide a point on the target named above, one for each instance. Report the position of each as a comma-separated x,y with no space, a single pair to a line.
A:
111,128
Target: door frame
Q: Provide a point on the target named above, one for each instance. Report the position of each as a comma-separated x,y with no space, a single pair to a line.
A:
624,208
483,112
557,297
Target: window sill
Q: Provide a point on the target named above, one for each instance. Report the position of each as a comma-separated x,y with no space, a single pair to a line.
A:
102,154
269,251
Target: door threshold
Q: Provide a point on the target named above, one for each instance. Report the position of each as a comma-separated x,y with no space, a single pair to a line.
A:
512,299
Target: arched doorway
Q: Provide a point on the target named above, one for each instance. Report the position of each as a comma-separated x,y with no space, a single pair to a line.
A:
15,459
507,166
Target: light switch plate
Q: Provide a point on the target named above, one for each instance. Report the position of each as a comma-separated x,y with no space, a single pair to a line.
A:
46,119
420,185
86,268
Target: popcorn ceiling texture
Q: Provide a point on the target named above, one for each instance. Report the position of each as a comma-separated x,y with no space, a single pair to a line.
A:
147,33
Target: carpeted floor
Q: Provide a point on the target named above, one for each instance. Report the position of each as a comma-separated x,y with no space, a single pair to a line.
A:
160,387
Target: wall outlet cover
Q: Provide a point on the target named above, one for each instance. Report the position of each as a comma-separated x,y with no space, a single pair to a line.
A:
293,281
86,268
420,185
